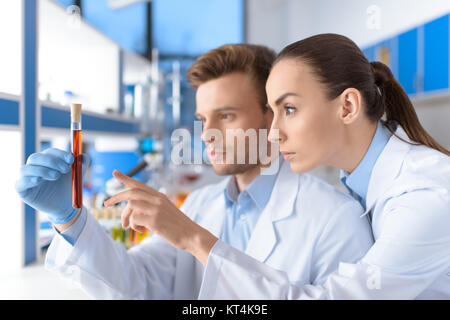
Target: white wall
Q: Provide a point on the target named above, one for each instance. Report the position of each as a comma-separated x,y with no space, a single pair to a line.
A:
11,213
349,17
434,114
277,23
11,47
267,23
74,56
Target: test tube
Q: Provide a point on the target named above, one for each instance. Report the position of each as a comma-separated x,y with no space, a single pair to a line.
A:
75,142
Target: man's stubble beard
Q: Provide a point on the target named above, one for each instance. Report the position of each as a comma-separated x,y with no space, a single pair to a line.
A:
232,169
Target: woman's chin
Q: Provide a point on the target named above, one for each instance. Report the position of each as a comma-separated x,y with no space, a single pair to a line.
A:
301,166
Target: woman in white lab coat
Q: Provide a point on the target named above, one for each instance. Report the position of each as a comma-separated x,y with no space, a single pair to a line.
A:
332,107
328,104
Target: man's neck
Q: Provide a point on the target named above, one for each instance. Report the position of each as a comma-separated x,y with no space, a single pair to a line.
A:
244,179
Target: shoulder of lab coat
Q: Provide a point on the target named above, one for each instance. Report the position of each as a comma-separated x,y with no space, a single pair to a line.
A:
343,234
404,166
410,190
411,216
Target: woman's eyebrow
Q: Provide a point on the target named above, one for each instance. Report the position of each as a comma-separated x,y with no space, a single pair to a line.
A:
284,96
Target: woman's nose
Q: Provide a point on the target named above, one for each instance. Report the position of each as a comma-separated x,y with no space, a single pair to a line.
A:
275,136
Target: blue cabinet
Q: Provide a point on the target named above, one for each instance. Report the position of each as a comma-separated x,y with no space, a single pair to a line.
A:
127,26
436,54
408,74
9,111
386,51
191,28
369,52
418,58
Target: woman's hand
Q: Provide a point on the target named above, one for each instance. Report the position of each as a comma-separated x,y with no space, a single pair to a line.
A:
149,209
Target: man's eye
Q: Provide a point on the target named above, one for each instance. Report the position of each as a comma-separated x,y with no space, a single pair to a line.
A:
289,110
226,116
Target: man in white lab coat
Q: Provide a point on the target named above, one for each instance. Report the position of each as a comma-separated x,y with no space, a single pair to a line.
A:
294,223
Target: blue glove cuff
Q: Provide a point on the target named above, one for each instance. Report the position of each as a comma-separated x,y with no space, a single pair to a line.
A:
62,219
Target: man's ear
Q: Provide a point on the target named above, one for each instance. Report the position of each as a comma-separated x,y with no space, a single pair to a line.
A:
350,105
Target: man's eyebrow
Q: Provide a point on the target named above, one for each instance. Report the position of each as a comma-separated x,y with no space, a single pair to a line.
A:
226,108
220,109
284,96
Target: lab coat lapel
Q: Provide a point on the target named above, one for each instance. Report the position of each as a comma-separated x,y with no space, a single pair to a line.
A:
211,215
387,168
280,205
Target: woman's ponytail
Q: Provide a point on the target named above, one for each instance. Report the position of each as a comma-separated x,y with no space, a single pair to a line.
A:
398,107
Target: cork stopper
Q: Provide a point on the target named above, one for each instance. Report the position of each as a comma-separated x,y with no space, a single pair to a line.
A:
75,112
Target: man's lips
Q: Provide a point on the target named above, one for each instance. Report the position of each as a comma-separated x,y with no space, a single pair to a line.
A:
213,154
287,155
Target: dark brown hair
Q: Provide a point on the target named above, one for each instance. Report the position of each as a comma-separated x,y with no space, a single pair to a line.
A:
253,60
339,64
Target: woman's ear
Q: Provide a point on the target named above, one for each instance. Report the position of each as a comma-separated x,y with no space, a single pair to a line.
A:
350,105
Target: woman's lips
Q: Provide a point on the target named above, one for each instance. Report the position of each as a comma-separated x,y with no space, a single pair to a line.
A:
288,155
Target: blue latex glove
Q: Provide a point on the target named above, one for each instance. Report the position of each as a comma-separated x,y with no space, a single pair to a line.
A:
46,184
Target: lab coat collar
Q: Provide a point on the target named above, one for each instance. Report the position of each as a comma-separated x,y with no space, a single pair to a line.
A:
357,182
212,213
259,190
285,192
387,167
280,206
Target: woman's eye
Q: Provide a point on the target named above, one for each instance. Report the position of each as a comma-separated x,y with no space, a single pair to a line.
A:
289,110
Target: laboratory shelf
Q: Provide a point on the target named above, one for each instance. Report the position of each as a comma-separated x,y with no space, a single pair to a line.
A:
9,110
58,117
55,116
47,33
432,97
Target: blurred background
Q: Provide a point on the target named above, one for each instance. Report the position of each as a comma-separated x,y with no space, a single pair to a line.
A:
126,62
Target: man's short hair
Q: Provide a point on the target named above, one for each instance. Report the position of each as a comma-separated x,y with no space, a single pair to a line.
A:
254,60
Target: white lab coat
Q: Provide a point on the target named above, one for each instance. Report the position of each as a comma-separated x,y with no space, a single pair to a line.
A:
408,202
306,228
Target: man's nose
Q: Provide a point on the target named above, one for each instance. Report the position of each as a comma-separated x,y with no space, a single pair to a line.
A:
207,138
